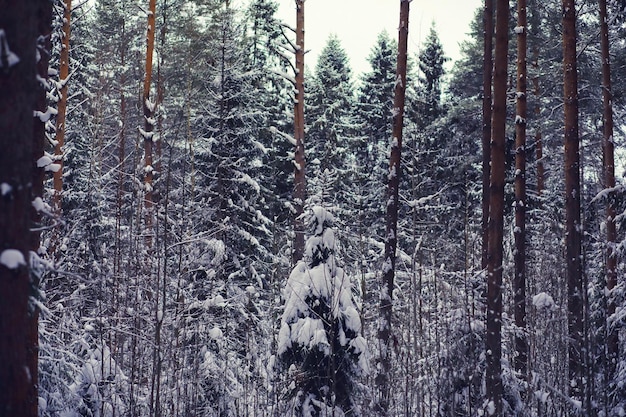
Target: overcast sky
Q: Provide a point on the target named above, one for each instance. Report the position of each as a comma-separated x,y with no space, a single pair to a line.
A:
357,24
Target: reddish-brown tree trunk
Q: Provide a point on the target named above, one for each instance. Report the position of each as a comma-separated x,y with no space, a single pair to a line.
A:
519,280
573,232
64,72
149,122
19,92
299,190
391,240
493,343
487,102
609,183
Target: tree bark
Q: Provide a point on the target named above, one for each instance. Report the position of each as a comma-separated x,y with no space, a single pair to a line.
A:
64,72
519,280
148,133
19,92
57,176
573,232
486,141
609,183
391,240
493,342
299,191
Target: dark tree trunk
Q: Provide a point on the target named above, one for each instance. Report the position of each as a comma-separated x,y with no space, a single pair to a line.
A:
299,191
519,280
609,183
573,232
486,142
19,92
391,240
493,343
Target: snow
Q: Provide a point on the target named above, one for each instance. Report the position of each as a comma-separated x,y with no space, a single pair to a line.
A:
12,258
542,396
5,189
44,161
146,135
543,301
216,333
491,408
53,168
40,206
10,57
47,115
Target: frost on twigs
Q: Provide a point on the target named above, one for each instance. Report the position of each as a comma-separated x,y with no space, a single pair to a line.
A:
7,58
12,258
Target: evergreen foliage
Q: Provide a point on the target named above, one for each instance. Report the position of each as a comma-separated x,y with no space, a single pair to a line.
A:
320,342
193,323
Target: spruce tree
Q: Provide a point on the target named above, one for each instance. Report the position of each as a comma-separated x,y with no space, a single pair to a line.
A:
431,60
329,116
320,342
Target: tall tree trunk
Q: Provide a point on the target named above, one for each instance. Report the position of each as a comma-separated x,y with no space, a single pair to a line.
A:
299,191
391,240
493,343
149,122
64,72
609,184
573,232
19,92
486,142
519,280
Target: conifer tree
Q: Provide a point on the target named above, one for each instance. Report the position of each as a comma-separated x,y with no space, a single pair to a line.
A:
430,62
373,111
320,342
330,120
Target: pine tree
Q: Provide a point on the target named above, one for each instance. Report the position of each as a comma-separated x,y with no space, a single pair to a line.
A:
320,342
493,342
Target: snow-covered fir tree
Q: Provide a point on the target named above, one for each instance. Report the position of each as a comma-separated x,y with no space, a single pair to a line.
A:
320,343
330,103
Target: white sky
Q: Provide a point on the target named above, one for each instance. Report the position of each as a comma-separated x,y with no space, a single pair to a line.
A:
357,24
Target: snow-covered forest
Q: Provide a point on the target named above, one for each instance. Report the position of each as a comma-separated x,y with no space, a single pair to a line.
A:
199,221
